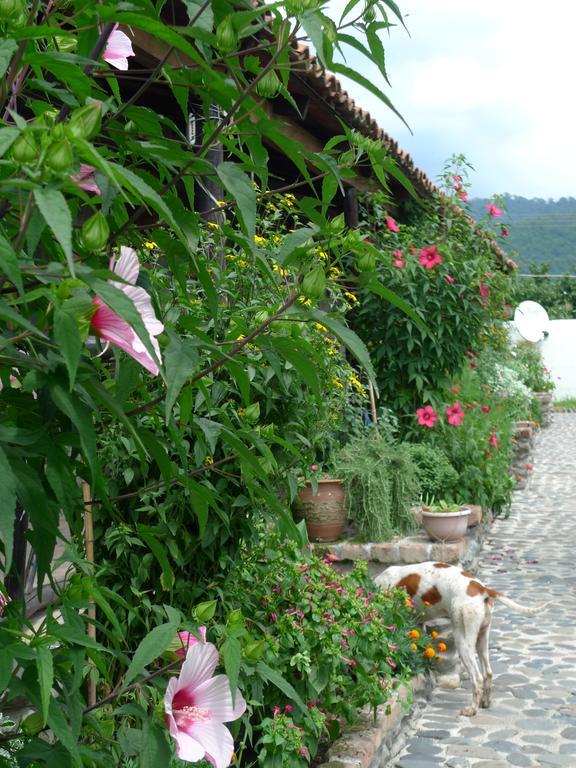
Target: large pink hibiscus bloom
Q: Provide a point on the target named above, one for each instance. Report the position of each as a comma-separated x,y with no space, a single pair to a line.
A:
197,704
111,327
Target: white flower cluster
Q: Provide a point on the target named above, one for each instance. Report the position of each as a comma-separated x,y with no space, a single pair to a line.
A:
507,381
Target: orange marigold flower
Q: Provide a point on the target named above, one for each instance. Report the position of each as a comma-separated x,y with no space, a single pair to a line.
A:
441,647
429,653
414,634
414,646
433,634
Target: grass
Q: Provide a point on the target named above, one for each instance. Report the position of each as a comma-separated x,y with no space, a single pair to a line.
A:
569,402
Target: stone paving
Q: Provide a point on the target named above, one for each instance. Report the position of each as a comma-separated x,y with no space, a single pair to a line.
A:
531,556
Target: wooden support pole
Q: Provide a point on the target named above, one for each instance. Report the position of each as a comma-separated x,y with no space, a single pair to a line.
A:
373,409
89,542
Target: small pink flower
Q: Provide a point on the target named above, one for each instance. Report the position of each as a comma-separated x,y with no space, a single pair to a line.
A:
197,705
484,291
493,439
85,179
288,708
427,416
111,327
493,210
314,467
529,467
457,178
391,224
398,259
391,662
462,195
455,414
486,408
429,257
276,711
504,231
118,48
448,279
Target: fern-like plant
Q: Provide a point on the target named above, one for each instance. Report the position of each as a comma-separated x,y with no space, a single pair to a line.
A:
381,486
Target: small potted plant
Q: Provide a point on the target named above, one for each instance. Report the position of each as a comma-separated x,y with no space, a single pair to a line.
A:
444,521
322,505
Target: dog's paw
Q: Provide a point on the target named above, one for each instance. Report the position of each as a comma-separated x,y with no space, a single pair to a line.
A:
468,711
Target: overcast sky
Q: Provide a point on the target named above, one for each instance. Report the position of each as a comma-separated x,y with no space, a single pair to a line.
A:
492,79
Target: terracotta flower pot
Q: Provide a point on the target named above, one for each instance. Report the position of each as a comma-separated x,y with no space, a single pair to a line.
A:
446,526
324,511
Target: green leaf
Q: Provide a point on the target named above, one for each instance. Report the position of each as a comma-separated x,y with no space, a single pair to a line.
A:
239,185
54,208
200,14
67,337
167,578
9,264
62,730
341,69
153,645
7,508
81,416
182,361
293,241
350,340
306,367
45,667
155,750
211,430
7,49
231,653
8,136
276,679
7,313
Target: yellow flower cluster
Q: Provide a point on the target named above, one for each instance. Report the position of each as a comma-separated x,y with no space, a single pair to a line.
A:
150,244
259,240
356,384
280,270
208,460
305,302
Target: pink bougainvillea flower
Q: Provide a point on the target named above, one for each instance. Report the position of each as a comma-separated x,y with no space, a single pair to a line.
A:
391,224
118,48
493,210
185,640
85,179
427,416
398,259
429,257
111,327
484,291
448,279
455,414
493,439
198,704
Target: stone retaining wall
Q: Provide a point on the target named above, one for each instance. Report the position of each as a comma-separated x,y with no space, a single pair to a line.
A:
372,742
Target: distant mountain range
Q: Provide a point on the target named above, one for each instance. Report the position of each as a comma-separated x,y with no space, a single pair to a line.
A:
540,231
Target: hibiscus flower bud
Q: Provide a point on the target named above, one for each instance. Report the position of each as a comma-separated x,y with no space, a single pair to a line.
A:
269,85
261,317
24,150
226,36
252,412
60,156
85,122
314,283
366,262
95,232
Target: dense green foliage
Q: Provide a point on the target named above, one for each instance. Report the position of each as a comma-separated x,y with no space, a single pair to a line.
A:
437,477
556,294
381,485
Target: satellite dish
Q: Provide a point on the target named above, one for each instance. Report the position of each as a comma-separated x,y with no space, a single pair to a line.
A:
531,321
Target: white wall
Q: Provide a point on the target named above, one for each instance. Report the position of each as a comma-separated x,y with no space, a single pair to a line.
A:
559,355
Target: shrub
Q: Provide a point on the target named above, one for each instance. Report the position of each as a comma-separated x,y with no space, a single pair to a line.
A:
330,644
527,361
437,476
381,485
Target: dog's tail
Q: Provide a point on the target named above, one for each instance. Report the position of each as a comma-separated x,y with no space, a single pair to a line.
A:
526,609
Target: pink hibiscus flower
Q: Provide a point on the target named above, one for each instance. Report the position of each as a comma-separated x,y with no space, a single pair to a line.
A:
429,257
493,210
118,48
85,179
197,705
462,194
455,414
185,640
391,224
398,259
427,416
111,327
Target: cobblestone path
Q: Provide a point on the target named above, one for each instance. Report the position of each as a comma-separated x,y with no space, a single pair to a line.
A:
531,556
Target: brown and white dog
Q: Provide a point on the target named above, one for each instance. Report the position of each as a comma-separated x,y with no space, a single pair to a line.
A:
440,590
